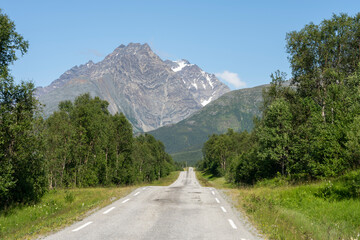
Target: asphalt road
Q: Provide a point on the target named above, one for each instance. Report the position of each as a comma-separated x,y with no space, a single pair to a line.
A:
183,210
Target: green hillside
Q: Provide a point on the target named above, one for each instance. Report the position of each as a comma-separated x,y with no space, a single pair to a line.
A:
235,110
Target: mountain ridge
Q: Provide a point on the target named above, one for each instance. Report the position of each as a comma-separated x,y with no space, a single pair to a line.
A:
235,109
134,80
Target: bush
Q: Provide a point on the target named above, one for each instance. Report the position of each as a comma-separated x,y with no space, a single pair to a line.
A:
69,197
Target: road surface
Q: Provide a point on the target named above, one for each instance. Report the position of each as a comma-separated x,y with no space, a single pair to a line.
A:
183,210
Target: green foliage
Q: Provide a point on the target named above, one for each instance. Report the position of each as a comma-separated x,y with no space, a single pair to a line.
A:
150,159
234,110
56,210
10,41
310,129
69,197
223,153
22,171
187,158
86,146
284,211
346,187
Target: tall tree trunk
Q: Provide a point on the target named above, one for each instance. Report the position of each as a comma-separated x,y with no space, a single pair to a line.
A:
62,171
50,180
106,164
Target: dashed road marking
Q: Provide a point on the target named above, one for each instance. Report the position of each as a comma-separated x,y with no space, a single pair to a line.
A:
213,193
222,208
81,227
125,200
232,224
217,200
107,211
136,193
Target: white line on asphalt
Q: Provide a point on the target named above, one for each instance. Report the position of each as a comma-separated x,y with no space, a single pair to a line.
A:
232,224
107,211
136,194
217,200
213,193
125,200
222,208
144,188
86,224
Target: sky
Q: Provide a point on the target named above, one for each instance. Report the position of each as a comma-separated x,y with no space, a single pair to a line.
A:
242,42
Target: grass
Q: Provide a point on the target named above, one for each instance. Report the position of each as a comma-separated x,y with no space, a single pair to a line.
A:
207,180
165,181
60,208
284,211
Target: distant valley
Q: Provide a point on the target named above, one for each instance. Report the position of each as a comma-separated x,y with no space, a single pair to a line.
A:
176,101
235,110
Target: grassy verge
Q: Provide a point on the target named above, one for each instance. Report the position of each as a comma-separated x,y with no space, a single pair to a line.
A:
59,208
323,210
165,181
207,180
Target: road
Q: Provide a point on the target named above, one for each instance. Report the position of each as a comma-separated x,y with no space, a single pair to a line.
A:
183,210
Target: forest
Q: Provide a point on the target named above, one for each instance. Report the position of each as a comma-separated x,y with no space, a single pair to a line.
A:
80,145
309,129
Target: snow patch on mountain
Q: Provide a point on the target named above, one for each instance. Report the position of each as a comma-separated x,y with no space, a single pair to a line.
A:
205,102
207,76
195,85
181,65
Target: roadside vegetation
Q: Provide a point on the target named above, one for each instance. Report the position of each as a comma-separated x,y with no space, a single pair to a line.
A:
54,170
310,129
298,169
61,207
326,209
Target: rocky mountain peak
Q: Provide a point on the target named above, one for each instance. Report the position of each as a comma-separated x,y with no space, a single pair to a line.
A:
132,51
134,80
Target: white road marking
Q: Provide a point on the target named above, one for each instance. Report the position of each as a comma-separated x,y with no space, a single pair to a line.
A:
222,208
213,193
144,188
136,194
125,200
217,200
107,211
86,224
232,224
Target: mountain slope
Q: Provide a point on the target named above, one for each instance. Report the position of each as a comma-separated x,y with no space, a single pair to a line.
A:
235,110
134,80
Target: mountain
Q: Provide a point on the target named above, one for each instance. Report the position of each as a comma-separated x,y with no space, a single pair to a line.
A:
134,80
235,110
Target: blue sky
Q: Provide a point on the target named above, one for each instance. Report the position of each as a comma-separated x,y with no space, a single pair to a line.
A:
241,41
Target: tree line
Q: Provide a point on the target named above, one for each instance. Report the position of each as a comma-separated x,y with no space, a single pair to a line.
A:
309,129
79,145
85,145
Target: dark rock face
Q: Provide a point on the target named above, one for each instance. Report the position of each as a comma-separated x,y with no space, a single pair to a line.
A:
134,80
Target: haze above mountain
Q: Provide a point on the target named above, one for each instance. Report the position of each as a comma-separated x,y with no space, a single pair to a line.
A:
135,81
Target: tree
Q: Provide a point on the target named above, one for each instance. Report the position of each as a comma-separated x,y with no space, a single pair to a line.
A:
274,135
321,55
22,174
58,135
10,41
123,142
